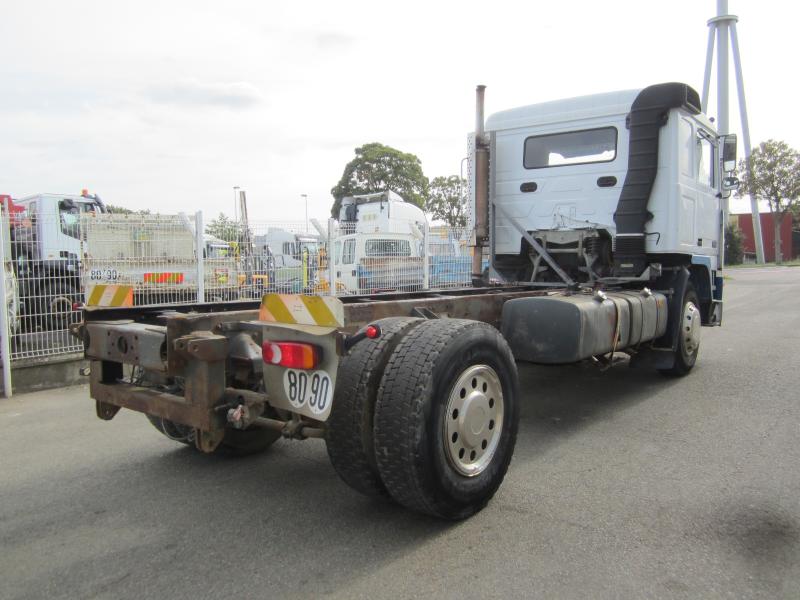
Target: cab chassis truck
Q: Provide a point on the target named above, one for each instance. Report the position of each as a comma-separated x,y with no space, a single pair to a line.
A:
601,220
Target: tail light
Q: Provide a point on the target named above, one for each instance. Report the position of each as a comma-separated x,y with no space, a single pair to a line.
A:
292,355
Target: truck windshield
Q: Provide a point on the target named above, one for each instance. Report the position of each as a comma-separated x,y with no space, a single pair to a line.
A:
387,248
70,212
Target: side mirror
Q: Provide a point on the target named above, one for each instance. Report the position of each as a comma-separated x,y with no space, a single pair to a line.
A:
729,153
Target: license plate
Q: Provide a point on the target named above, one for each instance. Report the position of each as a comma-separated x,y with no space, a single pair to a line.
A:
308,390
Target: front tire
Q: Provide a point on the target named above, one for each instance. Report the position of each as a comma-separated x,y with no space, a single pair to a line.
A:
688,342
446,417
56,299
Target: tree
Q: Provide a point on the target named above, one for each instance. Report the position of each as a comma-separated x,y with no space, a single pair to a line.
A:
773,174
118,210
378,168
446,200
121,210
734,245
225,228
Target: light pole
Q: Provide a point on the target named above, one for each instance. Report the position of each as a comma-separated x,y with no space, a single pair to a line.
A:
305,197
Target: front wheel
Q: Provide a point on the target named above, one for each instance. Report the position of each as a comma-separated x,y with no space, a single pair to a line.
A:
446,417
688,342
55,303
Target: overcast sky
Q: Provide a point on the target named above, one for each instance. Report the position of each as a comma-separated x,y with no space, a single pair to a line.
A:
167,105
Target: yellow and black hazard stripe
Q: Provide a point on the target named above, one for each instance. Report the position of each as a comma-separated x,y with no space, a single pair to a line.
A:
110,295
296,309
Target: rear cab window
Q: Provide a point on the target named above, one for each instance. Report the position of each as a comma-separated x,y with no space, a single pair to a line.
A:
570,148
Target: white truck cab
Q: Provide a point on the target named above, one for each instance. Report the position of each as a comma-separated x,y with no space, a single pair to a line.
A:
384,212
55,225
368,263
618,185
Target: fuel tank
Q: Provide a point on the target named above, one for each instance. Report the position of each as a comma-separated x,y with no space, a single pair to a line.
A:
564,328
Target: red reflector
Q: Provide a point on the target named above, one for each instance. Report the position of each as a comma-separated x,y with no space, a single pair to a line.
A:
77,305
293,355
372,332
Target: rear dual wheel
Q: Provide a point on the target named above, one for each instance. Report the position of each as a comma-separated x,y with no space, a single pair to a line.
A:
446,418
443,417
349,438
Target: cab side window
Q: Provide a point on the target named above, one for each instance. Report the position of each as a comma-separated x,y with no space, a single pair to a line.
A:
70,217
349,254
704,150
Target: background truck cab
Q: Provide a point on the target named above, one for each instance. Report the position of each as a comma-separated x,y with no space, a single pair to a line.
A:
366,263
46,246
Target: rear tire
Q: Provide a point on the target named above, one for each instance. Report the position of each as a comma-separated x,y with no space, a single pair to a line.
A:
688,342
446,417
237,442
349,438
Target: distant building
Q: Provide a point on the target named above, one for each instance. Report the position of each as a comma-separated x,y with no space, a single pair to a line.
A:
745,223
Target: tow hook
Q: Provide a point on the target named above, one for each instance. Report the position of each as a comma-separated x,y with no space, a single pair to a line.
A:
242,416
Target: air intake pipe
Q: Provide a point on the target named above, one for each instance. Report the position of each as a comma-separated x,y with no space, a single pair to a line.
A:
648,115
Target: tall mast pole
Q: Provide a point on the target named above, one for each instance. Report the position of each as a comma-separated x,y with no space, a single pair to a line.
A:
723,27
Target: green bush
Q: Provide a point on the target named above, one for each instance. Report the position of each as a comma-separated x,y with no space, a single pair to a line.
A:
734,246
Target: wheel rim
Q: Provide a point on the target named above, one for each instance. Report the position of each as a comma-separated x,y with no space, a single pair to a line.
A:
473,421
176,431
691,327
60,305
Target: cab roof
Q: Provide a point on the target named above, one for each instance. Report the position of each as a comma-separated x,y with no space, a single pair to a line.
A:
561,111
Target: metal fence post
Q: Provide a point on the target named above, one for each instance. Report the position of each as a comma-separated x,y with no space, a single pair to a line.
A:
200,247
331,268
5,331
426,265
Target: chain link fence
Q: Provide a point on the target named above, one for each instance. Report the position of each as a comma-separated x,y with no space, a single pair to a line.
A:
42,284
54,264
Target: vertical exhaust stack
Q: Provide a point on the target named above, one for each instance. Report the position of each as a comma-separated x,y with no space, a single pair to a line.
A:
481,233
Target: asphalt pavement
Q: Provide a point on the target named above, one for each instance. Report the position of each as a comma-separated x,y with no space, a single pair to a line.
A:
623,484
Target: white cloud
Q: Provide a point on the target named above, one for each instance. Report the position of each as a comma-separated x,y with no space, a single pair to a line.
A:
237,95
170,105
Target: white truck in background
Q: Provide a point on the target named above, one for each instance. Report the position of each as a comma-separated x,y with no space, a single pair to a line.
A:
380,212
290,261
602,218
46,248
378,245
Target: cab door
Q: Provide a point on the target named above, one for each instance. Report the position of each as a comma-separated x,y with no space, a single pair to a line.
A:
698,213
347,272
707,225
